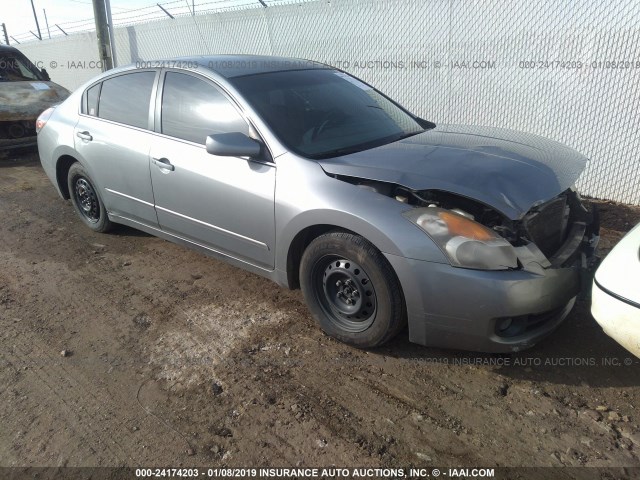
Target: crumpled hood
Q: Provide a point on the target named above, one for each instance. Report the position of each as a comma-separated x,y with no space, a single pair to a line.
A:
507,170
26,100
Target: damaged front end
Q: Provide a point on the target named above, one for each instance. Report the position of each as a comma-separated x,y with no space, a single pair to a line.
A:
562,232
16,132
559,233
25,92
554,234
517,243
514,280
551,247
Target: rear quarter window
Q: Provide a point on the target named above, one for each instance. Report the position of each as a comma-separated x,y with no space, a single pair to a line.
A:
90,100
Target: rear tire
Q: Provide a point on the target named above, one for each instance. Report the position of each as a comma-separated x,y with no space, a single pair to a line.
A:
86,200
352,290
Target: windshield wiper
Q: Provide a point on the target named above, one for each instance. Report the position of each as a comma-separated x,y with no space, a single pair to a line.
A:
339,152
405,135
359,148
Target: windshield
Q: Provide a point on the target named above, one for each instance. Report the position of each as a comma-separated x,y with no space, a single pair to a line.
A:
16,69
325,113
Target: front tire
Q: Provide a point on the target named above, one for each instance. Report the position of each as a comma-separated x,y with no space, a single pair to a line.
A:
352,290
86,199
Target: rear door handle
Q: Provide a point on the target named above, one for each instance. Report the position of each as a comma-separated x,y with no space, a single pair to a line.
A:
84,135
163,163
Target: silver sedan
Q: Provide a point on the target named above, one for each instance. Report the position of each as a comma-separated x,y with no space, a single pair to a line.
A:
304,174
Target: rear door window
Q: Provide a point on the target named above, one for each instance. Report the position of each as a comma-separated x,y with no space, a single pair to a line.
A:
126,99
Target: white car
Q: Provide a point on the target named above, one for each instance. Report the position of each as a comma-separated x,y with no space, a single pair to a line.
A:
616,293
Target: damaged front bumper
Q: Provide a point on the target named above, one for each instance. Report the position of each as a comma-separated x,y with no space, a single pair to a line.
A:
17,134
497,311
18,143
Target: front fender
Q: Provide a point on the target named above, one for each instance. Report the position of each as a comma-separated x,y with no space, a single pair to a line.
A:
327,201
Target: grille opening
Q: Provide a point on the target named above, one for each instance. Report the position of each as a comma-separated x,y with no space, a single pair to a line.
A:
547,227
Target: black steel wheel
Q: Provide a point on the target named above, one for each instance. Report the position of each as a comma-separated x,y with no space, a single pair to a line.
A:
351,290
86,199
345,293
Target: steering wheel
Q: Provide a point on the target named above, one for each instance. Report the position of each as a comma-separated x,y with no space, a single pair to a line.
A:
330,118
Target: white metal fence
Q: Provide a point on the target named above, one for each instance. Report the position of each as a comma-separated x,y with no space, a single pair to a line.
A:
568,70
123,16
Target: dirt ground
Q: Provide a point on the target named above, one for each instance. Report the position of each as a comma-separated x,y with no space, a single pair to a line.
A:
175,359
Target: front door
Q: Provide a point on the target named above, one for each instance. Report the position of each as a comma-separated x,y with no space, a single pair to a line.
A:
223,203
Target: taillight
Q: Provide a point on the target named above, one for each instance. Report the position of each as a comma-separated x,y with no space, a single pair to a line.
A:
42,119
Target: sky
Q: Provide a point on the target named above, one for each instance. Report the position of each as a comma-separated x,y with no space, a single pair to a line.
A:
19,17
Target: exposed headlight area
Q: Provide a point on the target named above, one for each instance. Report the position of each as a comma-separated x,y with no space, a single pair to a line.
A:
475,235
465,242
549,235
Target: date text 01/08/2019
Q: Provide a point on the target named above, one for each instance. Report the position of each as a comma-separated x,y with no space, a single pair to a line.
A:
332,472
578,64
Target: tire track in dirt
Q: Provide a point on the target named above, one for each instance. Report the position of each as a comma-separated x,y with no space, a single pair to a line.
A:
71,408
84,398
440,413
79,398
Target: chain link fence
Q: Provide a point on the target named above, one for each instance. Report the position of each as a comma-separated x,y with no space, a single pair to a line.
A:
154,11
568,70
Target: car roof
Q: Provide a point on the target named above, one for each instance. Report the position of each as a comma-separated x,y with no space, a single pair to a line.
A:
230,66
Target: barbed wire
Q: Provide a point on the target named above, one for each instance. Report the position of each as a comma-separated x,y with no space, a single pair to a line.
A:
150,13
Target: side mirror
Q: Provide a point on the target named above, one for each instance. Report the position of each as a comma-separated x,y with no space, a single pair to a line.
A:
45,74
234,144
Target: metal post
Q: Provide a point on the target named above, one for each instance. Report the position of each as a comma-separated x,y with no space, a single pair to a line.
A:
193,7
36,18
102,31
47,22
60,28
6,37
107,4
15,40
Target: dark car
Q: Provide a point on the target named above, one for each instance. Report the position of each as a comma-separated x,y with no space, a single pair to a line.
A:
25,92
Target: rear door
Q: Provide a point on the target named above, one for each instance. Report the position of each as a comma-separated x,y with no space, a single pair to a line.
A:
223,203
114,137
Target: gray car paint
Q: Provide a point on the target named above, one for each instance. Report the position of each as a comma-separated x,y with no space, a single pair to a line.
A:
246,231
122,167
286,197
510,171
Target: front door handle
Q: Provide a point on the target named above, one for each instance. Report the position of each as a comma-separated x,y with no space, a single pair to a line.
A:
163,163
84,135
